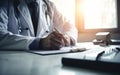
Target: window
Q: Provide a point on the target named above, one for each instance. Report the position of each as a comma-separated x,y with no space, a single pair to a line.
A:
91,15
97,15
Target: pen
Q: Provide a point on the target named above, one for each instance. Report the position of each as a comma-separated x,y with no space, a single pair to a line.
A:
54,29
78,49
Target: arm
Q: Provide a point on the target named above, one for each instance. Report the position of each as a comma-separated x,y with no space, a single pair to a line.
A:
9,40
65,35
64,25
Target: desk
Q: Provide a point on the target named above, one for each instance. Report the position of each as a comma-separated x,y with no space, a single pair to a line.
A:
24,63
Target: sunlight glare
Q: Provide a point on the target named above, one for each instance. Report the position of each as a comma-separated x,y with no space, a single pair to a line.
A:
99,14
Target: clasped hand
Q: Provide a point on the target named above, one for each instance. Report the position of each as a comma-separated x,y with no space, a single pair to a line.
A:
55,41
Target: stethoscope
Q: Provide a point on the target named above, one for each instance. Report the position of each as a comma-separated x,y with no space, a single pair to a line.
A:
47,16
17,14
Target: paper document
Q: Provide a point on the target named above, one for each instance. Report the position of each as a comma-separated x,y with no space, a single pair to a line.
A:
62,50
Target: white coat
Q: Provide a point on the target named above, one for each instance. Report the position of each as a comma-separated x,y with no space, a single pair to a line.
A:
16,30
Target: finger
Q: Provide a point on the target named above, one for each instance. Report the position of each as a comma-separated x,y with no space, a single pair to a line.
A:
58,35
57,40
55,46
66,40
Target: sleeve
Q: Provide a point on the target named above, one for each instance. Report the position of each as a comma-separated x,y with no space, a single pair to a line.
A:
63,24
12,41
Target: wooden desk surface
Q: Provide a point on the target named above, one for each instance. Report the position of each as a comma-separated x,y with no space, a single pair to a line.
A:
23,63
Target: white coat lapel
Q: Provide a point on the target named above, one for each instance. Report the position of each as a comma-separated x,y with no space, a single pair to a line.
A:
23,9
44,28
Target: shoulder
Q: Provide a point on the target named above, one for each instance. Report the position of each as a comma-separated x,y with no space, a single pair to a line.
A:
51,3
4,3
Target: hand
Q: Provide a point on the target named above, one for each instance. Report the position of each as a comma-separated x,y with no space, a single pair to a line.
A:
52,42
67,40
55,41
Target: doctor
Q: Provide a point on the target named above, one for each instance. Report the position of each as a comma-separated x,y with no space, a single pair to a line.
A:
24,28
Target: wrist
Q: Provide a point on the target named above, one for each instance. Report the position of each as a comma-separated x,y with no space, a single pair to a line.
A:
35,44
41,43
